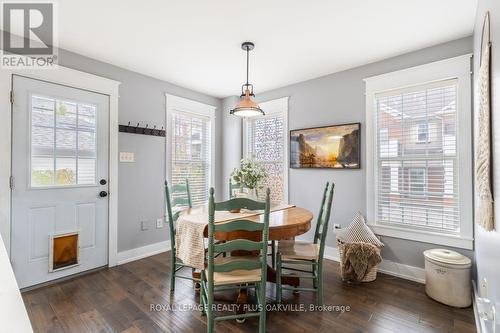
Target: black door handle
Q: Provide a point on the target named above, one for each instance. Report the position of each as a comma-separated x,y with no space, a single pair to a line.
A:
103,194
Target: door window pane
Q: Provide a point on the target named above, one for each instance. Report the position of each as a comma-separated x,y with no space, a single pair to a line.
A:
65,171
63,142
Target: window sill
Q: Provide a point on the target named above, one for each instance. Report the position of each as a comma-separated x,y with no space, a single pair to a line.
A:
424,236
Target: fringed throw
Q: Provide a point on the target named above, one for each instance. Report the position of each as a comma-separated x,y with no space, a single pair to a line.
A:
484,199
358,259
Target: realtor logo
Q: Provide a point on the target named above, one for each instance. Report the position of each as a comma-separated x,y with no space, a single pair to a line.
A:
28,35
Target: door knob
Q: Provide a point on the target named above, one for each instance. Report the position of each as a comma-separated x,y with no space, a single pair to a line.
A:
103,194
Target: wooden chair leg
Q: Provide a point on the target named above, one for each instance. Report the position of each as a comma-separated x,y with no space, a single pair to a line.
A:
262,321
262,317
315,270
210,320
172,273
278,279
273,254
319,292
202,292
210,312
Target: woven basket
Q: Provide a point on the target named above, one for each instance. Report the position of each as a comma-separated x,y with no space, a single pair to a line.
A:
369,277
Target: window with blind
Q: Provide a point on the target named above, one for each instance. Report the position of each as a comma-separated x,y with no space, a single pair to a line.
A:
417,167
190,134
266,141
419,154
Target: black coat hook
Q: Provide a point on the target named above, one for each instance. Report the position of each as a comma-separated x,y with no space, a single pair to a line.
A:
142,130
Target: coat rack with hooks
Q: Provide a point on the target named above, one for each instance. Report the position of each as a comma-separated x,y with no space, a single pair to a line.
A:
141,130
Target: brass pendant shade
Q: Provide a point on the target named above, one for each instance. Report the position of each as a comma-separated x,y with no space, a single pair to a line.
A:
247,107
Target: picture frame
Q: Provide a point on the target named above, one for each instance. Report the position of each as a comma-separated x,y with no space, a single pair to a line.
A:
326,147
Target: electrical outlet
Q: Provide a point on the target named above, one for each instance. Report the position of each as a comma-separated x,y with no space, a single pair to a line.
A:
127,157
336,226
144,225
159,223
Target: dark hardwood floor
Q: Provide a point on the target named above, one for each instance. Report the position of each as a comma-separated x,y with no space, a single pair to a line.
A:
120,299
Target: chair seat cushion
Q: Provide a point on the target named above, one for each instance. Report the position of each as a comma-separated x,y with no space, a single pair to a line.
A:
358,231
292,249
237,276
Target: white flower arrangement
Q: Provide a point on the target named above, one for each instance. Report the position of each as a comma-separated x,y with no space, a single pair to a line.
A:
250,174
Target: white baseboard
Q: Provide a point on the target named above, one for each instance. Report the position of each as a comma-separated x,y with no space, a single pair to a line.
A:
479,322
142,252
412,273
403,271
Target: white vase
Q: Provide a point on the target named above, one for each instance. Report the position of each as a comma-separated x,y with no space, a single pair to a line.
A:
249,193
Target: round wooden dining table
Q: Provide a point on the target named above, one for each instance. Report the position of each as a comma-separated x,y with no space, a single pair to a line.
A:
283,224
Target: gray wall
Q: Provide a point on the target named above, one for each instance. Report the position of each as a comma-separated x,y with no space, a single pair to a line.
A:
488,243
335,99
141,193
232,144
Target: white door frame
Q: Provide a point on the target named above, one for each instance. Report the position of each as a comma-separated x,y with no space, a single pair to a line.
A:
76,79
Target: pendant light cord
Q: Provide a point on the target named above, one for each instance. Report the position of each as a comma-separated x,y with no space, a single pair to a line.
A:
247,63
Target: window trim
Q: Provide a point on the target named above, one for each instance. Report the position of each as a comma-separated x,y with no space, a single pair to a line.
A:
191,107
272,107
453,68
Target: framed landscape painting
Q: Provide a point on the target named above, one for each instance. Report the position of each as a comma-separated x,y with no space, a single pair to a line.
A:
329,147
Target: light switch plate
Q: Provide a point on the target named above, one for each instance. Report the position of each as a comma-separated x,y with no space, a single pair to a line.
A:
159,223
127,157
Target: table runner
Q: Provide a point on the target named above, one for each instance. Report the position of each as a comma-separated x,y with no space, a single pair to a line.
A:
189,239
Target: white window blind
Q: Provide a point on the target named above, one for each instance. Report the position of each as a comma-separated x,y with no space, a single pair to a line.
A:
266,139
191,153
417,170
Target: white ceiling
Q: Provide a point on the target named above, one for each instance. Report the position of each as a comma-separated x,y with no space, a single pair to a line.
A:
196,43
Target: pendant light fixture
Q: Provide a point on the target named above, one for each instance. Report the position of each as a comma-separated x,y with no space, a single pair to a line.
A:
247,107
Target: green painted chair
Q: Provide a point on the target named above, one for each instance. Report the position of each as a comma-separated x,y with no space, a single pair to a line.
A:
297,253
232,187
178,197
233,272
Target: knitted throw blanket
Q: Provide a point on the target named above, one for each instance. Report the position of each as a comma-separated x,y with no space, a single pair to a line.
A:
358,259
484,200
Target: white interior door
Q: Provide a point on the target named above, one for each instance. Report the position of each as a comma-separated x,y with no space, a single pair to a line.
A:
60,142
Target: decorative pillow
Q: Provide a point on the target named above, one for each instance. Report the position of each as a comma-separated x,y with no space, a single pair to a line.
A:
358,231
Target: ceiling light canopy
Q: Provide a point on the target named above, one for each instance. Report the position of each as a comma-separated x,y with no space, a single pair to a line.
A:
247,107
